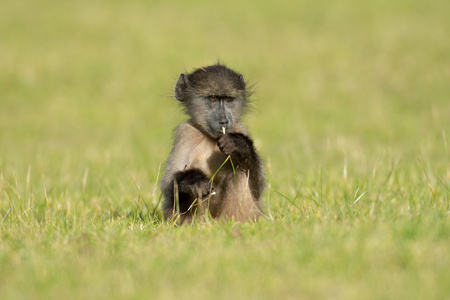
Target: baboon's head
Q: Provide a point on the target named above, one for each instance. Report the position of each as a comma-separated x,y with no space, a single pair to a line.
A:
215,97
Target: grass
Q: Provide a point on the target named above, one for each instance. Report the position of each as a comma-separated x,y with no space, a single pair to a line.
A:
352,106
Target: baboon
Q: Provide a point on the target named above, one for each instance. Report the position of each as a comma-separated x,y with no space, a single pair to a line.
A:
214,166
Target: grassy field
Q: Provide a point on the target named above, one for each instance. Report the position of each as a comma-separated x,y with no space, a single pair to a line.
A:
352,114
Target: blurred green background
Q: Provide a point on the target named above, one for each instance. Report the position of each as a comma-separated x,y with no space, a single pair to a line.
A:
89,81
352,115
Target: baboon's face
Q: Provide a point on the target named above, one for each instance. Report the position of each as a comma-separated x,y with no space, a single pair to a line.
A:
214,97
222,110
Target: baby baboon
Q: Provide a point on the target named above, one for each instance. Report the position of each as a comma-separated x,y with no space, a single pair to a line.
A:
213,165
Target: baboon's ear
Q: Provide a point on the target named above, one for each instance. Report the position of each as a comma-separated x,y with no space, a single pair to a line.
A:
180,87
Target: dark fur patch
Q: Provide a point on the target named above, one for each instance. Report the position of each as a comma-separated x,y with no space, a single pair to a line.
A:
212,80
191,184
244,156
240,147
202,77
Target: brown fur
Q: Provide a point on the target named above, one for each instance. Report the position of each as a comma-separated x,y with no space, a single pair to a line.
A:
196,148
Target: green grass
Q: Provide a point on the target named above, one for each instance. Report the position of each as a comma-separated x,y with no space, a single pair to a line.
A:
352,116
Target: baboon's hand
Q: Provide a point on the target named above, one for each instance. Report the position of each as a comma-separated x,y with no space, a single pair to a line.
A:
193,183
239,146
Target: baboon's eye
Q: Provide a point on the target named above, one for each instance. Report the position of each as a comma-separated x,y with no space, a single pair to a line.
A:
229,99
213,98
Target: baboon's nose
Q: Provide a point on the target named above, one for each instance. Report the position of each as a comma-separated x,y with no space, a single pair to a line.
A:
223,123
